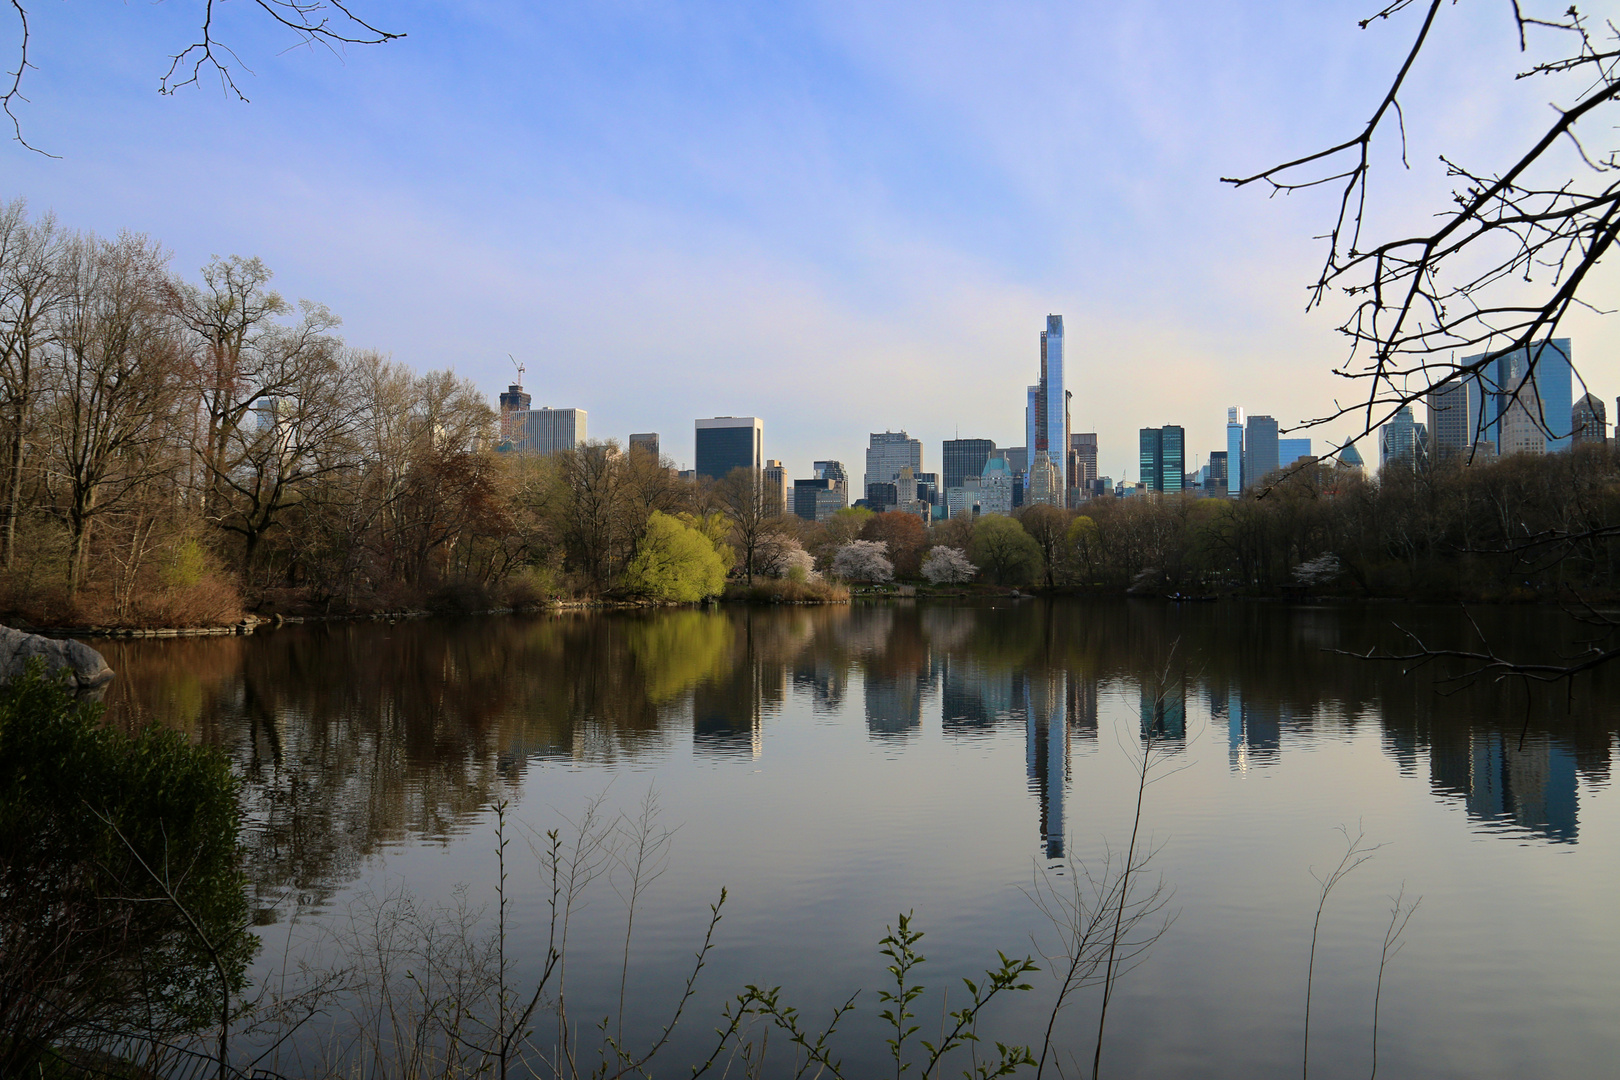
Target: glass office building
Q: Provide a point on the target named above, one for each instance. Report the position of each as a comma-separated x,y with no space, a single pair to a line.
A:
729,442
1234,451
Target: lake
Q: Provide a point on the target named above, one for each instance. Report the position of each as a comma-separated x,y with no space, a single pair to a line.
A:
833,767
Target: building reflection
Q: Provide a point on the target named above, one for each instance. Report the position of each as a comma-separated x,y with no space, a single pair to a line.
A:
893,703
1163,712
1253,729
349,737
1046,751
1529,783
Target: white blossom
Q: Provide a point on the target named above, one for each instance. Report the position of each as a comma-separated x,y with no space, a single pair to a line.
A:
864,560
948,566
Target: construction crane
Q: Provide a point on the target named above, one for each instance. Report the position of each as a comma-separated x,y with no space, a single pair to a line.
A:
520,368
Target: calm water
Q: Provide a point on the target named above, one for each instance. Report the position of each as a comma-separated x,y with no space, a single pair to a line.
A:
832,767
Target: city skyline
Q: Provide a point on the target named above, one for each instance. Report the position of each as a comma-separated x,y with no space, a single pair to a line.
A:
875,211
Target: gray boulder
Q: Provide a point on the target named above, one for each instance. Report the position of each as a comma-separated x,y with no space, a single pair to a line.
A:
88,668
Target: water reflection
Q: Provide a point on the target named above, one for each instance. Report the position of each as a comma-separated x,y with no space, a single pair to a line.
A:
350,737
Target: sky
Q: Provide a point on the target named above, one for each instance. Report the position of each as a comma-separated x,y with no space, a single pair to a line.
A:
839,216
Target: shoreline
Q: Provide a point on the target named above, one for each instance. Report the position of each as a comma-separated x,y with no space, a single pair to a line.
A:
253,623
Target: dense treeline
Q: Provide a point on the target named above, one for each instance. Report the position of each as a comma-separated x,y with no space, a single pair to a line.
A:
177,452
171,449
1519,527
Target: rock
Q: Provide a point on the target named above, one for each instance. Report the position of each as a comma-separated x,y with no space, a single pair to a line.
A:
88,668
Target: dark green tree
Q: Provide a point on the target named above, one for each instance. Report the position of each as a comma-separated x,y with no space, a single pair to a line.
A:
122,900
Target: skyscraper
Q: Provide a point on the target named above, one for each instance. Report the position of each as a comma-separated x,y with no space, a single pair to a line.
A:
1542,394
823,496
1291,450
1046,411
1259,449
514,403
887,453
1588,421
1456,417
729,442
962,458
1174,469
996,486
1163,457
1082,461
647,441
774,485
549,431
1234,451
1402,441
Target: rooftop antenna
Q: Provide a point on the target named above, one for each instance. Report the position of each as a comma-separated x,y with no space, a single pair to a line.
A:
520,369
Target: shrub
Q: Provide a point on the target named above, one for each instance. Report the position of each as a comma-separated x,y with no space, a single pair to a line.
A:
121,891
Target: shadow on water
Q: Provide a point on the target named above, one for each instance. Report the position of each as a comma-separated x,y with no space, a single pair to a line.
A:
353,736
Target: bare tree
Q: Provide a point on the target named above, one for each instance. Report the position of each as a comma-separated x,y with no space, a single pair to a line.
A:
1047,525
30,291
588,499
291,440
113,382
754,520
242,356
1504,264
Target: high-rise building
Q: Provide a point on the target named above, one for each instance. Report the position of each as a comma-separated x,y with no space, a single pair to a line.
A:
887,453
1260,455
1044,481
1291,450
1350,458
1402,441
514,403
962,458
1522,427
549,431
1215,481
1082,462
646,441
1172,476
832,470
910,494
1538,379
1150,456
1588,421
1163,457
1234,451
996,486
1456,417
1046,410
819,498
774,488
729,442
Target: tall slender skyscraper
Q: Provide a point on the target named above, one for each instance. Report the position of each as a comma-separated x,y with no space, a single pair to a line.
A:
1046,410
1234,451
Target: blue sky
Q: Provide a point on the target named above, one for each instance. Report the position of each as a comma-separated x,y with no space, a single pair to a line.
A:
841,217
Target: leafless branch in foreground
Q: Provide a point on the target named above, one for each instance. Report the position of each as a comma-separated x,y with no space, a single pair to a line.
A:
330,24
1504,264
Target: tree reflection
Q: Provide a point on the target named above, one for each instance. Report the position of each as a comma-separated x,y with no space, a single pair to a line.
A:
351,736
